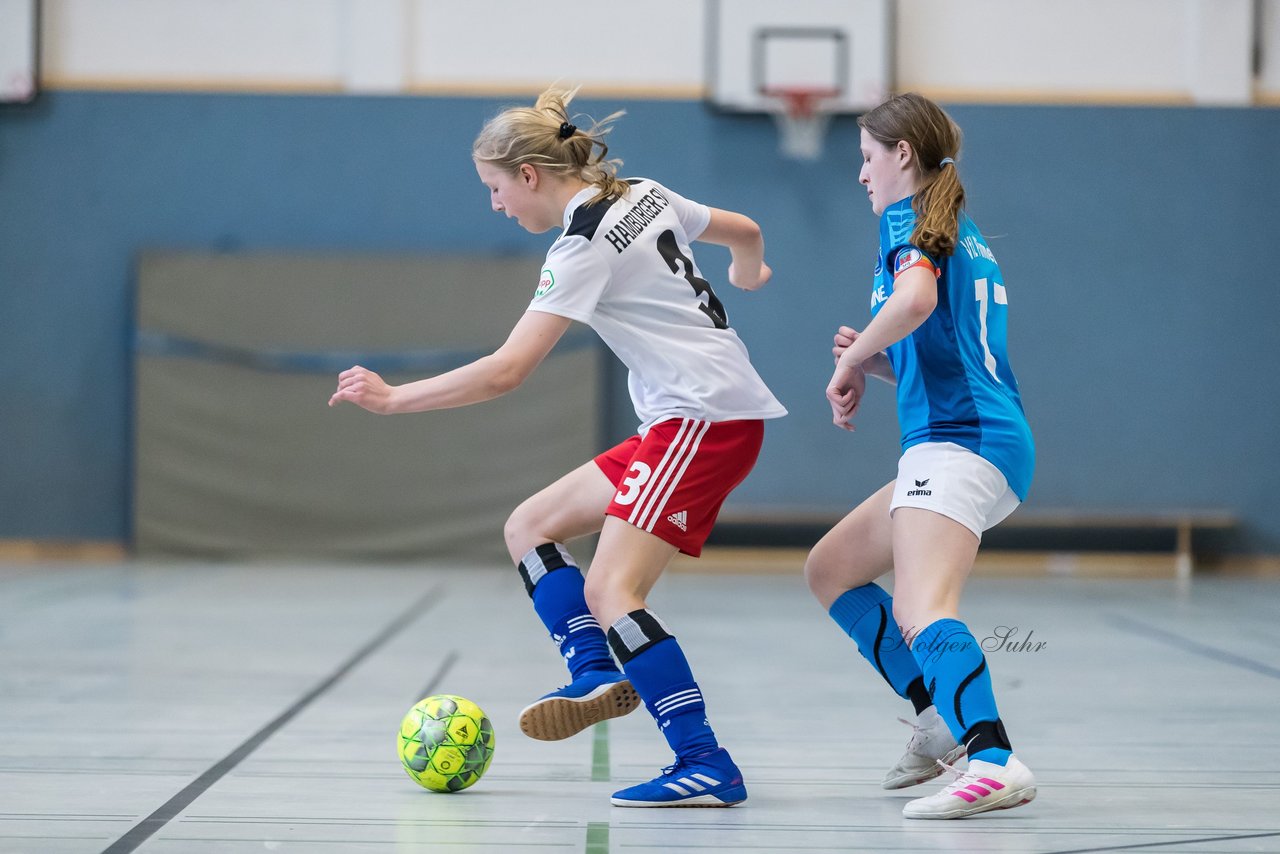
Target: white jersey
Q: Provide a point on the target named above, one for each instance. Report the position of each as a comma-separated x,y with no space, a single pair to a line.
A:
624,267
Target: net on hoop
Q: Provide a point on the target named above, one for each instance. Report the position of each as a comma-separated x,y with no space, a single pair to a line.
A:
802,118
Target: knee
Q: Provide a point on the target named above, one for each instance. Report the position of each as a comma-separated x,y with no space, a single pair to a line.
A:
919,606
599,597
815,572
609,599
518,532
824,575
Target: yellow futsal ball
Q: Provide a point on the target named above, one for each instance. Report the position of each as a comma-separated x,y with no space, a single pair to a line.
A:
446,743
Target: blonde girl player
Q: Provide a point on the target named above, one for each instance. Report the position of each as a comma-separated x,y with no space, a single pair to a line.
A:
939,314
622,264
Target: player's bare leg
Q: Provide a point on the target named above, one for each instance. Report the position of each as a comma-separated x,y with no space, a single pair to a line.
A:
536,534
571,507
628,563
857,551
934,555
841,570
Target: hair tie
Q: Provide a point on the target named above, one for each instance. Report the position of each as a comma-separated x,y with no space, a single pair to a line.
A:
567,130
945,161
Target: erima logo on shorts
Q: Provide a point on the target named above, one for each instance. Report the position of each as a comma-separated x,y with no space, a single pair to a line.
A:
920,489
546,283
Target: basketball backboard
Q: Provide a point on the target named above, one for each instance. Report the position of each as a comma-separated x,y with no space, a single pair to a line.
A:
758,48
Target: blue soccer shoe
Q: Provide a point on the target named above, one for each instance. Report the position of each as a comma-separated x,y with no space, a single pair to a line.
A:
711,780
595,696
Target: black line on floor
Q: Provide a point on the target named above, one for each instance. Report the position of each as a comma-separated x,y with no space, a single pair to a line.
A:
1204,650
1166,844
433,684
143,831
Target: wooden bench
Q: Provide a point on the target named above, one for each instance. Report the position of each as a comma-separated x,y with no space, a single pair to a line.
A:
1181,523
803,526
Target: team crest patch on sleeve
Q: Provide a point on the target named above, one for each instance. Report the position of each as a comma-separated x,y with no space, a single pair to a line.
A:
911,257
545,283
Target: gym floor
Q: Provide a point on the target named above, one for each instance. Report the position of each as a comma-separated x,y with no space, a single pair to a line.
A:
237,708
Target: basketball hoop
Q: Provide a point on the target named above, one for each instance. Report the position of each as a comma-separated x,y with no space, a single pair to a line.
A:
802,119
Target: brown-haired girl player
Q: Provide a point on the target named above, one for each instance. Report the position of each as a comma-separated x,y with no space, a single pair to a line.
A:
623,264
939,314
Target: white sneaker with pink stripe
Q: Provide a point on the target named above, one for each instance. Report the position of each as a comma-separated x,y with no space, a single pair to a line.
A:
984,786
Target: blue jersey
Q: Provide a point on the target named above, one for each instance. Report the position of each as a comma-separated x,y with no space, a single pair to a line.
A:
954,380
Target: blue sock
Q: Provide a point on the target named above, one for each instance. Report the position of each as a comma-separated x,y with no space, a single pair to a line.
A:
866,615
956,672
555,584
658,670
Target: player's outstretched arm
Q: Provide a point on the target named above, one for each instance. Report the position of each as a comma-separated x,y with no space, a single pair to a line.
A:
740,233
484,379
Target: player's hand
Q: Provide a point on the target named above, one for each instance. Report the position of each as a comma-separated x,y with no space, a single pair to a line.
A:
844,393
766,272
364,388
844,337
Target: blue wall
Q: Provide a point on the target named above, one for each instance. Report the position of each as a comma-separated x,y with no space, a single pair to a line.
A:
1136,245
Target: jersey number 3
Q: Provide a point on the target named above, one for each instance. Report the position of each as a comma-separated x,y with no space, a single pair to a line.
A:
638,476
670,252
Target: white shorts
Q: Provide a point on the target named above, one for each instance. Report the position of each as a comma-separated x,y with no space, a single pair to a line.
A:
956,482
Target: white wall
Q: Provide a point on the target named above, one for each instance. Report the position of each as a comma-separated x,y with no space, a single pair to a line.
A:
1102,51
1085,50
192,43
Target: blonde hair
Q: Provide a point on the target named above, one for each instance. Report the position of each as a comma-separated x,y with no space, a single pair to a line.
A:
544,135
935,138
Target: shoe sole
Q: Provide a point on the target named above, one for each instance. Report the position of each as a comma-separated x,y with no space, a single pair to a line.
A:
730,798
904,781
556,718
1016,798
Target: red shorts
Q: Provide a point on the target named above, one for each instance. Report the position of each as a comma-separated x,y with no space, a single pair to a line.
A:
672,482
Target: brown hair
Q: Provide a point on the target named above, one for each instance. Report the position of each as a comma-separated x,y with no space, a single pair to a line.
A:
544,136
933,136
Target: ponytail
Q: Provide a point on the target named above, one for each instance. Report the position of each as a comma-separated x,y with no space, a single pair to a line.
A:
544,135
937,206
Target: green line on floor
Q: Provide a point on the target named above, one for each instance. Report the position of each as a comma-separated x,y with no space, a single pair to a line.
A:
598,837
600,755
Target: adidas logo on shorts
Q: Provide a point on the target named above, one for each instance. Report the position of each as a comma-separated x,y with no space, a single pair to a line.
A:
680,520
